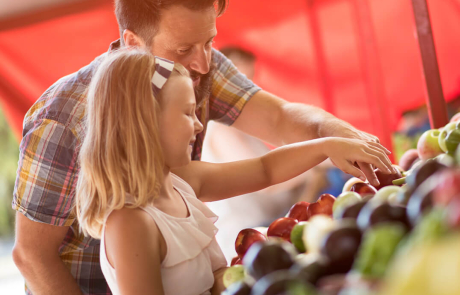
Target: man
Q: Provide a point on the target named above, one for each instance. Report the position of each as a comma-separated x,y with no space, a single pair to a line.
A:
51,253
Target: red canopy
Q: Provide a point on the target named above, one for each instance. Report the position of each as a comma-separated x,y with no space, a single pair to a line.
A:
357,59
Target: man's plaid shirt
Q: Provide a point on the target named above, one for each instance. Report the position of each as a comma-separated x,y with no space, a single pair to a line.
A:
48,163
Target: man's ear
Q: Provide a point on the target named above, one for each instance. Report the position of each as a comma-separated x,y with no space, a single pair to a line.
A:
132,40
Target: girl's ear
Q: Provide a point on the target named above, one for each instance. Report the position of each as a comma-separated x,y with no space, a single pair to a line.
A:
132,40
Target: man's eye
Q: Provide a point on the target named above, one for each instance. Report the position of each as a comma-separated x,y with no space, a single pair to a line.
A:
184,50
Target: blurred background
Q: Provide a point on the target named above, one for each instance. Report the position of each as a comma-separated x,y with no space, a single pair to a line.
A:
358,59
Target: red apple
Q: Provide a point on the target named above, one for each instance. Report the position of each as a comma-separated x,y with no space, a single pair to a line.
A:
408,158
350,182
428,145
299,211
454,214
282,228
245,239
236,260
322,206
386,179
455,118
447,187
363,189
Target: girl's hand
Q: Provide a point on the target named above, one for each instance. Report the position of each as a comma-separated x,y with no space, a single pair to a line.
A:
345,153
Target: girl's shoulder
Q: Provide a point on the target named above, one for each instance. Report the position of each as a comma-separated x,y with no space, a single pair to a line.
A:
129,220
182,185
131,240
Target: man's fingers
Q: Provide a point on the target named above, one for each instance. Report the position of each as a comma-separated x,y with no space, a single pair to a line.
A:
349,168
369,172
377,162
371,137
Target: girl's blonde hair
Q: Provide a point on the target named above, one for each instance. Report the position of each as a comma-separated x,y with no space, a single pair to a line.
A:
121,152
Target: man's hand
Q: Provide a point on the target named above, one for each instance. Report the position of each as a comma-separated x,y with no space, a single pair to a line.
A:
279,122
335,127
338,128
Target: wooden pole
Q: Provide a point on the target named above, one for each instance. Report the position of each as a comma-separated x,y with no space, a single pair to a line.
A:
437,109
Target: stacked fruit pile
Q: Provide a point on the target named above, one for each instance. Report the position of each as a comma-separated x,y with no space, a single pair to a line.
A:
368,240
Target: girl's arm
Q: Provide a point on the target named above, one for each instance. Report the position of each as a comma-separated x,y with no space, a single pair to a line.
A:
213,182
133,248
218,286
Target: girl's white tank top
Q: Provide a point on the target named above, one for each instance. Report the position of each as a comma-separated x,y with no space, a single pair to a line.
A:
192,251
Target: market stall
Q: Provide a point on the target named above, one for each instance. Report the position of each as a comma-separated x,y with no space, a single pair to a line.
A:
364,61
357,59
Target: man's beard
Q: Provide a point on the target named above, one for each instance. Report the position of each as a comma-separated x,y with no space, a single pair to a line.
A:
203,90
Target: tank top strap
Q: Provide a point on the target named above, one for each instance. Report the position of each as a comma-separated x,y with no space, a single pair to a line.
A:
189,194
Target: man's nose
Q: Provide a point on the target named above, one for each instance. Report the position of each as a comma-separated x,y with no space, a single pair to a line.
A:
200,62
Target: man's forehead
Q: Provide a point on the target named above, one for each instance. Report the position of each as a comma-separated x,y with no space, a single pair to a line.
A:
185,26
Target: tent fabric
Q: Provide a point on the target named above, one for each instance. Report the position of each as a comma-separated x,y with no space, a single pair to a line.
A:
35,56
357,59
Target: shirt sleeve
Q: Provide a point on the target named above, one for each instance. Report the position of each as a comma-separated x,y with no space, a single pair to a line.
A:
47,172
231,90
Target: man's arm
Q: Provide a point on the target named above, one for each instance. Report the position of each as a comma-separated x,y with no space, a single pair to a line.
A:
36,254
279,122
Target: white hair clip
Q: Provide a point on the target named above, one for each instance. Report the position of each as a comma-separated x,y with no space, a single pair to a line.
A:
163,69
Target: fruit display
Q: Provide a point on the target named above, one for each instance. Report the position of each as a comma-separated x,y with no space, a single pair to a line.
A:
233,275
299,211
402,237
428,145
245,239
345,200
364,189
386,179
264,258
282,228
322,206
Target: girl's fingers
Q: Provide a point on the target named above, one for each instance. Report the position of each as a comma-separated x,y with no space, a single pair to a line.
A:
368,170
347,167
376,161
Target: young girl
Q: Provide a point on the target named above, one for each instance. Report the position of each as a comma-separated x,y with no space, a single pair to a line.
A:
157,237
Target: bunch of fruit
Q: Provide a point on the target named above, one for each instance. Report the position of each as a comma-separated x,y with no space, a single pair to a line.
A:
441,143
368,240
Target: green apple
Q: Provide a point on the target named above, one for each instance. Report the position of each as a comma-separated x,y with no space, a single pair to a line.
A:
446,159
457,155
442,136
378,246
343,201
297,236
386,193
233,274
452,141
428,144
